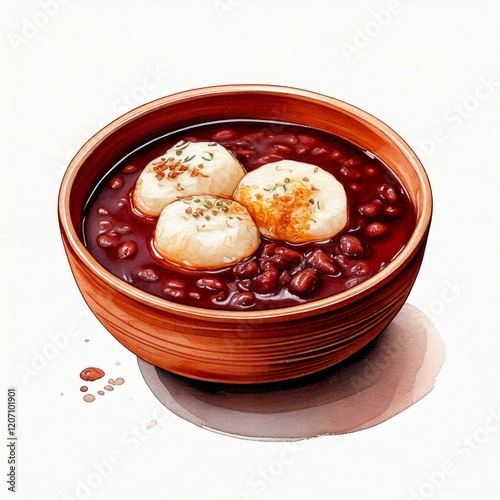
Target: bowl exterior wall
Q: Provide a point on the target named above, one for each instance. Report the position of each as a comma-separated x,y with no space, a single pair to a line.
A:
244,352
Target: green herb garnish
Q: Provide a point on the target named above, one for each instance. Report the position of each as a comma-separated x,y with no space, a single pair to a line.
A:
210,158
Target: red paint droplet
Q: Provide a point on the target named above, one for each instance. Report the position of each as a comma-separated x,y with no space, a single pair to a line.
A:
91,374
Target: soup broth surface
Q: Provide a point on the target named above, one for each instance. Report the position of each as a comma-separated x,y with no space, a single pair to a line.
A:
279,274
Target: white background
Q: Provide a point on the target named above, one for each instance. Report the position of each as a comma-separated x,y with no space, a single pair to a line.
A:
428,69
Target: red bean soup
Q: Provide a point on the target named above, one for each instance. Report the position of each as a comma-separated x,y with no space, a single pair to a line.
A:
279,274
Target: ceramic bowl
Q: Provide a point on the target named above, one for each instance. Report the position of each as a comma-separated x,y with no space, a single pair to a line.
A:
248,346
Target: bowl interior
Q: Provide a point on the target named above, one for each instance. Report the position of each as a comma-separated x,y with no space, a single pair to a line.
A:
256,102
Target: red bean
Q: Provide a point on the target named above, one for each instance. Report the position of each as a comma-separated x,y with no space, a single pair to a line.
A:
322,262
269,159
268,249
103,211
266,282
342,260
122,229
245,284
391,210
242,300
130,169
319,151
301,149
336,155
351,245
353,174
303,282
376,229
289,139
127,249
360,268
147,274
282,149
248,269
123,202
370,209
388,193
108,240
371,170
211,284
194,295
219,297
350,173
174,293
305,139
266,264
290,255
276,260
174,283
354,186
285,277
224,135
253,137
351,162
246,153
105,226
115,182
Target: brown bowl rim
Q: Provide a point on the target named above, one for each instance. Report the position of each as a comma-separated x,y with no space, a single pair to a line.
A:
285,313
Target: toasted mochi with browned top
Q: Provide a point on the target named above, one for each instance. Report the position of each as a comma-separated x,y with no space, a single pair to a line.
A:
294,201
185,169
205,232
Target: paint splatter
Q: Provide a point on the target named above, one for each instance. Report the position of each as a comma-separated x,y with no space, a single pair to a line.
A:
91,373
116,381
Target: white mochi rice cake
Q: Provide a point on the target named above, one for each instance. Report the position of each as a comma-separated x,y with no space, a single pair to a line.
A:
294,201
185,169
205,232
